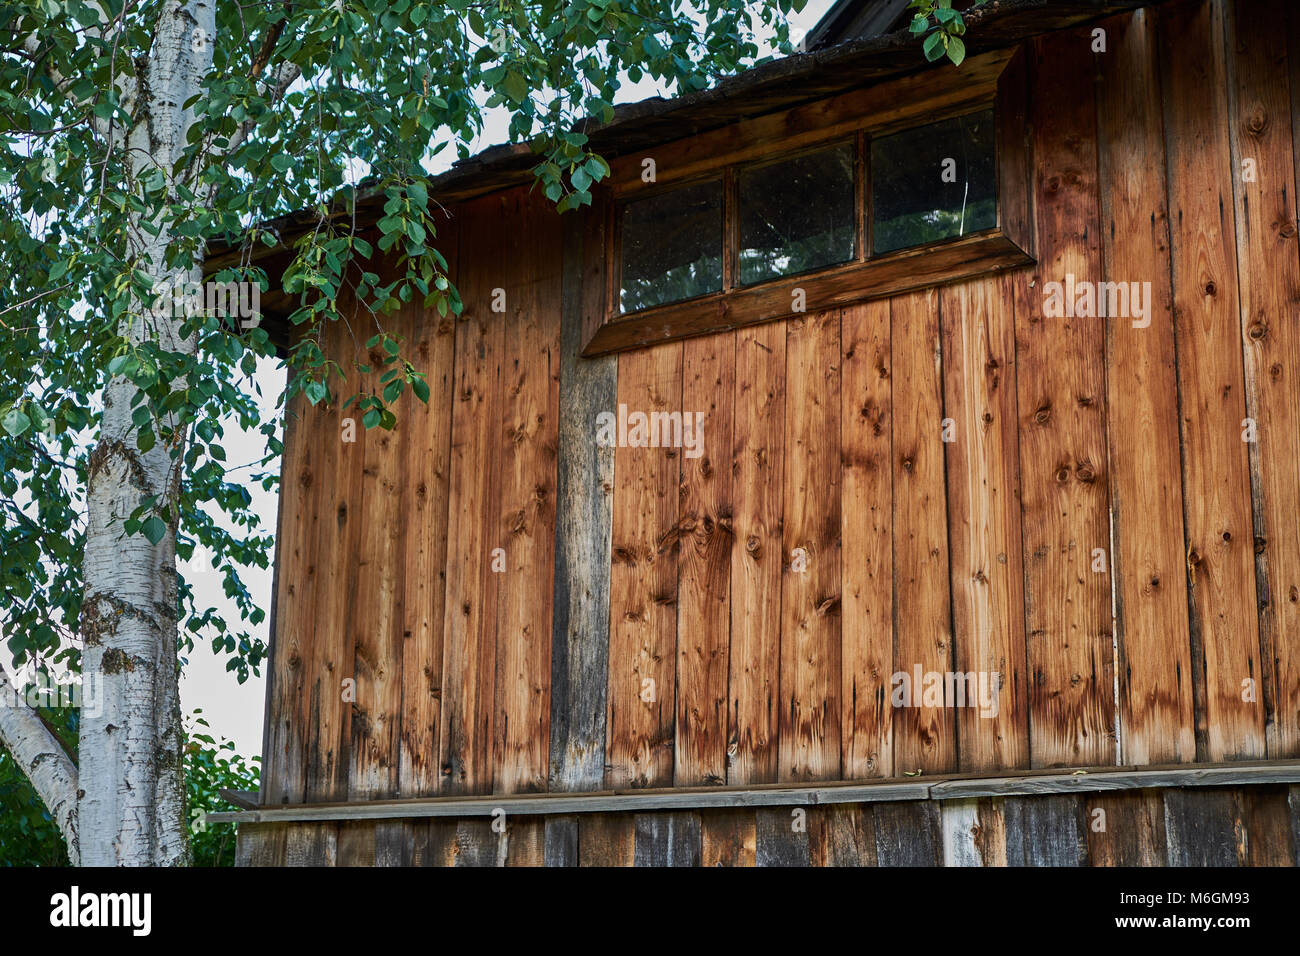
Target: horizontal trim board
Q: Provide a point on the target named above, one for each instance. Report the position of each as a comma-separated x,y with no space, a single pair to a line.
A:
950,787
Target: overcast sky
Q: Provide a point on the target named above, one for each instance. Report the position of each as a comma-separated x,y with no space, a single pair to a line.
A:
236,711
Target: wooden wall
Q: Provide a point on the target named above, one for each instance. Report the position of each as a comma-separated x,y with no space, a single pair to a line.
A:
1097,532
1217,826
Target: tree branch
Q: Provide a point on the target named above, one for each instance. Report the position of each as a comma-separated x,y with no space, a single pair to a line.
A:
43,760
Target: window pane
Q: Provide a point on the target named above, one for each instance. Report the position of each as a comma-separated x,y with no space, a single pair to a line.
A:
797,215
934,182
672,246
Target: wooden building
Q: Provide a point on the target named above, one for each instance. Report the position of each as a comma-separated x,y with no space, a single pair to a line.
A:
906,472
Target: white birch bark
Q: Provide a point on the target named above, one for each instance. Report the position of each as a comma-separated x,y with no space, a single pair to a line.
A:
43,759
131,808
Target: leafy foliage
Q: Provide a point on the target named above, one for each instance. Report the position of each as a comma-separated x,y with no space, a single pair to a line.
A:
306,106
943,28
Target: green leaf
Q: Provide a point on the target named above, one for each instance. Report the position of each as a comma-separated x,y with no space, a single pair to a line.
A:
15,422
154,529
934,45
515,86
956,50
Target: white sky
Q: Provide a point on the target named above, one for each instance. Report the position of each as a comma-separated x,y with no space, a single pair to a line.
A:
236,711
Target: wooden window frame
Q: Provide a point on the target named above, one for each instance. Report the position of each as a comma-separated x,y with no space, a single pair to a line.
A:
994,81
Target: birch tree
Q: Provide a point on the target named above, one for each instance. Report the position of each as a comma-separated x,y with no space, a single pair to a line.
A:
137,132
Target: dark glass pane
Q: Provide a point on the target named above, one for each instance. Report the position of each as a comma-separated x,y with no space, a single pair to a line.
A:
932,183
797,214
672,246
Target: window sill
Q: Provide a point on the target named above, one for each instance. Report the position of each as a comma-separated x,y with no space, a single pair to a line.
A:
876,278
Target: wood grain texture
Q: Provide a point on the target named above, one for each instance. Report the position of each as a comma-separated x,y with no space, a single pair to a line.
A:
908,834
667,839
1268,269
337,604
923,728
607,840
810,590
643,582
704,562
758,466
584,519
1155,669
1126,829
866,534
286,723
781,837
378,620
728,838
1045,831
427,454
523,524
843,834
561,841
469,641
983,477
1220,548
1202,828
1062,403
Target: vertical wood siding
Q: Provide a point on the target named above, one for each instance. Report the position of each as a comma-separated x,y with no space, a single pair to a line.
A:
948,481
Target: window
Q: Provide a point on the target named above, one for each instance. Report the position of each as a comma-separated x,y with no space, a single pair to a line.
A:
864,195
933,183
671,246
796,215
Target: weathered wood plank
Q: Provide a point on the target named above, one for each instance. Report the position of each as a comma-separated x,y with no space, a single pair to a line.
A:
523,523
756,556
728,838
866,523
960,822
526,841
376,626
356,843
1062,404
908,834
1267,820
983,477
561,841
327,709
478,844
704,560
311,844
1045,831
810,590
643,582
584,519
1155,669
781,837
1126,829
469,636
607,840
261,844
1202,828
284,745
1220,549
427,450
843,834
923,726
1268,269
667,839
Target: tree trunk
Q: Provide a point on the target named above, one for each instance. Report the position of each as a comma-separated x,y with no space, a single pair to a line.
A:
131,789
